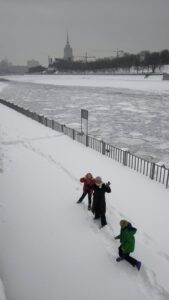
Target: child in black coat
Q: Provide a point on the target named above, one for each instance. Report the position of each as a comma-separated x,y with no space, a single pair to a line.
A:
99,202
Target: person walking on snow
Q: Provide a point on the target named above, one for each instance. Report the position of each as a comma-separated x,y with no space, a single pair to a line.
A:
127,241
99,202
88,182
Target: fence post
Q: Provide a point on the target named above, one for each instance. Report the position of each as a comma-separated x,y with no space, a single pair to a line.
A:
167,180
152,170
103,147
87,140
125,156
73,136
43,120
53,124
62,127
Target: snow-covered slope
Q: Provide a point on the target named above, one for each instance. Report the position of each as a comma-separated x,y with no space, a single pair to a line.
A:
50,247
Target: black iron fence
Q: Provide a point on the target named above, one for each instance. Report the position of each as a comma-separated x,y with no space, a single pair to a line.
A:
154,171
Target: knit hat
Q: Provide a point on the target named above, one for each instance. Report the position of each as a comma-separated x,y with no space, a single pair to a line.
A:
123,223
89,175
98,180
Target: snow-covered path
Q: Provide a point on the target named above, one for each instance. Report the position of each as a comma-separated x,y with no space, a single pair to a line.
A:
50,247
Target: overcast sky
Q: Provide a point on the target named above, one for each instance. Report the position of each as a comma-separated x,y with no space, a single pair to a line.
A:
37,28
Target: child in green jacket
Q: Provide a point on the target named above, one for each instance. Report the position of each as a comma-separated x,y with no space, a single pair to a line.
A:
127,241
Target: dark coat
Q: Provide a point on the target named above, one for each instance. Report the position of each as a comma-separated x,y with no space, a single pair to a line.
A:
99,202
127,239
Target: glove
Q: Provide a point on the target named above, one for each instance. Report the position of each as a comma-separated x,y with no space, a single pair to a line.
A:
108,183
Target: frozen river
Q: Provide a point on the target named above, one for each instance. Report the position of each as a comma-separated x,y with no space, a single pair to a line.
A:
126,111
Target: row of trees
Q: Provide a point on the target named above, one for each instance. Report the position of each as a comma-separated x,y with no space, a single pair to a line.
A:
144,61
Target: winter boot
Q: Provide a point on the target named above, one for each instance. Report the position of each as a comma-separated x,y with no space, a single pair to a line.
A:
118,259
96,217
138,265
79,201
102,226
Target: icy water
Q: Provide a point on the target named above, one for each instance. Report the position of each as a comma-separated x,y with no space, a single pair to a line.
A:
125,118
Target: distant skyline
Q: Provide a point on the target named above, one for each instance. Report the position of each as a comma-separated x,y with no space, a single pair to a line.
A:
36,29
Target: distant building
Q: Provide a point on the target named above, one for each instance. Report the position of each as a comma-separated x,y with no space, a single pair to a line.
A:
32,63
68,52
19,69
7,67
50,61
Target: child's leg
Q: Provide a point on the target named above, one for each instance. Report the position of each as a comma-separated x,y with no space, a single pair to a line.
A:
82,197
103,220
131,260
89,198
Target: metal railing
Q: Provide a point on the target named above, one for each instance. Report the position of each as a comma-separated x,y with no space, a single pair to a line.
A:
156,172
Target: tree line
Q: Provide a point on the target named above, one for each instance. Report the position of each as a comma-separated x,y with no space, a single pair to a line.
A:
144,61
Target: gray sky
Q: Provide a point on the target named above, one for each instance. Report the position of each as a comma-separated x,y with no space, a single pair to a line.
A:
37,28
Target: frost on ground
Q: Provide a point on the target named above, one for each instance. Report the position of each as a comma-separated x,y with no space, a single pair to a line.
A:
50,247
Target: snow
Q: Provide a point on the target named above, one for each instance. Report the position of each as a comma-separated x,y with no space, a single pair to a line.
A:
50,247
117,105
133,82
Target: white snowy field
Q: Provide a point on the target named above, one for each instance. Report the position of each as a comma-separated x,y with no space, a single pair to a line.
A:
136,82
124,111
50,247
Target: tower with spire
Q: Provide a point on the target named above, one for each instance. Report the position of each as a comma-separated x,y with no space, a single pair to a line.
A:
68,52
